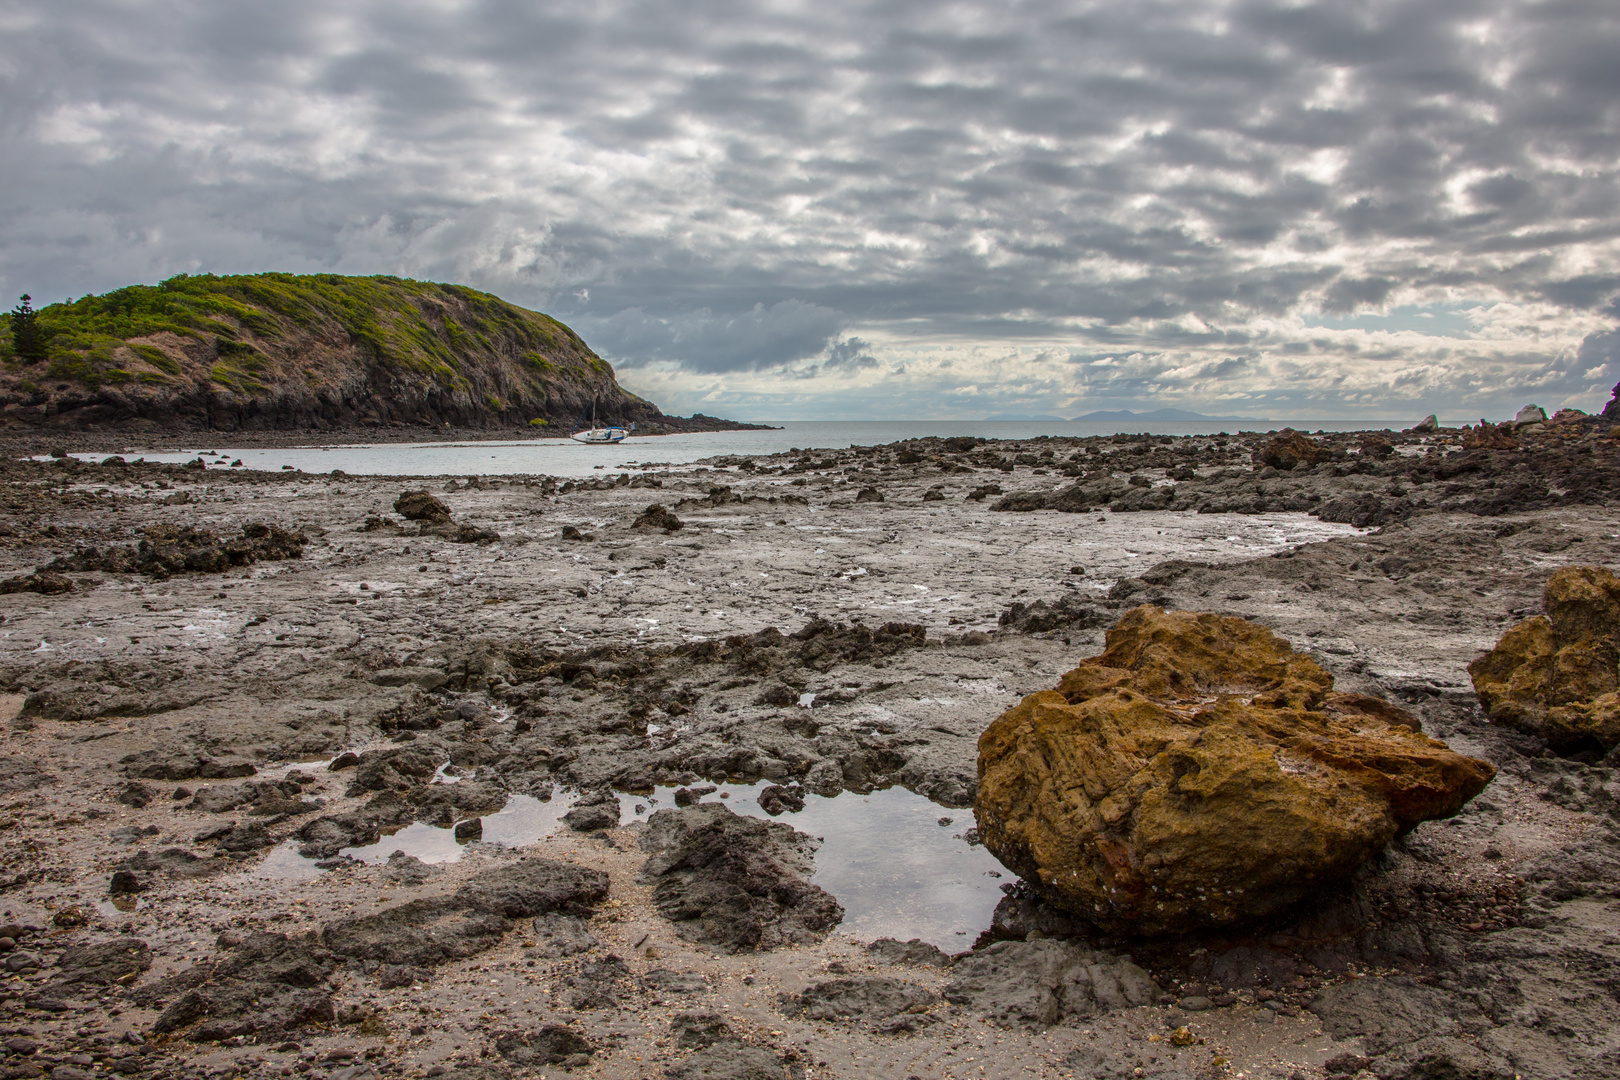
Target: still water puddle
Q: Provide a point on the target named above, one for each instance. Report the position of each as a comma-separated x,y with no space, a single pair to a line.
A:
887,858
898,872
523,820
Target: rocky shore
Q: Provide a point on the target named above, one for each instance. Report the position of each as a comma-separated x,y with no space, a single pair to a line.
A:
207,719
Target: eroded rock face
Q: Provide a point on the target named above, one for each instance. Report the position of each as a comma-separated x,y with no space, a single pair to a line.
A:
1556,675
1200,772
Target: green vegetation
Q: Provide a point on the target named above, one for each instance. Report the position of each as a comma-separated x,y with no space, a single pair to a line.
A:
27,338
242,330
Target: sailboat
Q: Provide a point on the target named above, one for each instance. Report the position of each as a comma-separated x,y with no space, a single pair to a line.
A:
597,435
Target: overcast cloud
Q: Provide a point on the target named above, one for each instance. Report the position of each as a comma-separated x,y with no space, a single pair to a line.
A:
907,209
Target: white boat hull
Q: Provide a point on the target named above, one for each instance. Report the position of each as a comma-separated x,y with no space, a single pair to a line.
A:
600,435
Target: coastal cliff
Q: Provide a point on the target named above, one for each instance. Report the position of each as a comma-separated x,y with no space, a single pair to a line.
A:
287,352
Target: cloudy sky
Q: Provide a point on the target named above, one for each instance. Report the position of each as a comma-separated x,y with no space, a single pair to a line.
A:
783,209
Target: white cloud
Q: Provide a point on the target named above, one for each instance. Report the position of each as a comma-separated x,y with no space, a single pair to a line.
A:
1223,197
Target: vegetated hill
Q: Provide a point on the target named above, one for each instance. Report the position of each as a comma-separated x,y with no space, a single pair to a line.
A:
320,351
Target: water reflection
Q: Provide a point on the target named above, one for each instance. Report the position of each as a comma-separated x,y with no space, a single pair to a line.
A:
898,872
523,820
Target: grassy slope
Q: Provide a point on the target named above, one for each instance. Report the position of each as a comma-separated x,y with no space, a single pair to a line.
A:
288,336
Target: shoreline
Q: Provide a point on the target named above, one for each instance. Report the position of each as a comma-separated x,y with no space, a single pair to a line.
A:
546,645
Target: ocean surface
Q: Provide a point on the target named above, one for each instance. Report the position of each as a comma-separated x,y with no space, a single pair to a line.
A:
561,457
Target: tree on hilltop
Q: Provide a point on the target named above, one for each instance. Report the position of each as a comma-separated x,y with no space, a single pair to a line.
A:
27,338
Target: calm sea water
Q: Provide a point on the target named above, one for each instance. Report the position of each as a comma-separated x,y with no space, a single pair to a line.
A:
561,457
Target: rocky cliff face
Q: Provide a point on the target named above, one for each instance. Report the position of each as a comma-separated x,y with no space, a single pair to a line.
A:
286,351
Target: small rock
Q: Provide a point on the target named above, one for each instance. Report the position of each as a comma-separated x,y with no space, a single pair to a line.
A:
420,506
657,516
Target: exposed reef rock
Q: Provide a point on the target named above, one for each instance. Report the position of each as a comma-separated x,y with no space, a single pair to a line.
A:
733,883
1200,772
657,516
182,549
271,983
1041,983
1289,450
1555,675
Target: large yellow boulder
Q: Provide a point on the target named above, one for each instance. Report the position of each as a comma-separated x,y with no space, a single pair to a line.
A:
1557,675
1200,772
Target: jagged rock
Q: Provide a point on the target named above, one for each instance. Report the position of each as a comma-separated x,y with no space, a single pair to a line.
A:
1044,615
393,769
325,836
593,811
175,549
444,805
732,883
420,506
869,495
1489,436
1289,449
774,799
1554,675
1427,424
657,517
1375,446
1041,983
1200,772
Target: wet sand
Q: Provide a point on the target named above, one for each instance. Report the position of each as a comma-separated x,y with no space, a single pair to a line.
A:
542,668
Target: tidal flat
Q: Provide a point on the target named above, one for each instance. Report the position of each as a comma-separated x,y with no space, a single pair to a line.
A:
210,762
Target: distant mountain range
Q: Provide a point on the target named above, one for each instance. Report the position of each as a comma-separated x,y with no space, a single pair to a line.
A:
1156,416
1168,415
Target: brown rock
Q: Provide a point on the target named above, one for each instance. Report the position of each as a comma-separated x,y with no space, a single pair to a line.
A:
1489,436
657,516
1556,675
1374,445
1289,448
1200,772
420,506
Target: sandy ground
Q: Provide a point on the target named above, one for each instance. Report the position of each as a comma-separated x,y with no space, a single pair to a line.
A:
286,664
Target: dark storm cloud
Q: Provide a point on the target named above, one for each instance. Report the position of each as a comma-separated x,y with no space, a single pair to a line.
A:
732,187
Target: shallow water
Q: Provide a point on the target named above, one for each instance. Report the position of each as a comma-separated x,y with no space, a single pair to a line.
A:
897,871
523,820
561,457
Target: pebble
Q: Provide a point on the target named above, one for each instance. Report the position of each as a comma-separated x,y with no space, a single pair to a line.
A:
1196,1004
